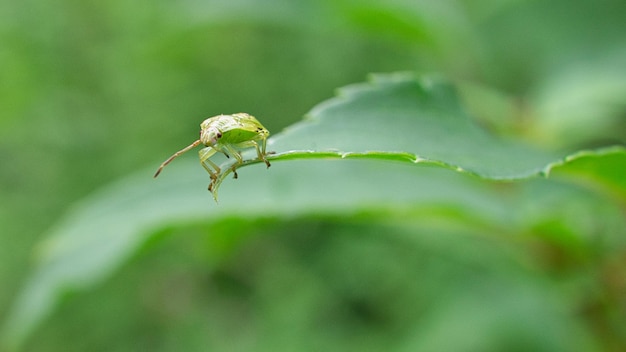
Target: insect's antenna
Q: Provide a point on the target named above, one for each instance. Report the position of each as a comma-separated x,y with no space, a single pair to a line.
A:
192,145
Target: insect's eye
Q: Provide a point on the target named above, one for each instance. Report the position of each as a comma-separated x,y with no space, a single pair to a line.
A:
219,135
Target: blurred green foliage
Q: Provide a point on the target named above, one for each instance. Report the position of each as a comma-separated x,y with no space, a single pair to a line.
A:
93,91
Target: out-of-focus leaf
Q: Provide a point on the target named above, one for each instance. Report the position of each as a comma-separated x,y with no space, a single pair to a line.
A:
603,168
104,230
397,117
582,102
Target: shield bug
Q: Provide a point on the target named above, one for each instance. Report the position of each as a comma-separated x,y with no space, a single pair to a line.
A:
227,134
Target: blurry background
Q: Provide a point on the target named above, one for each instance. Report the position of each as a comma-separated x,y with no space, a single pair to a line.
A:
92,91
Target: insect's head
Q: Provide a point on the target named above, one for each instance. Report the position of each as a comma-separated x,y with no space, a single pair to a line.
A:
209,134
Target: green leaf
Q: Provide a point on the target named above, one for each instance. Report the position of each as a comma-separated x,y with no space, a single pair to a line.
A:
604,169
406,118
412,119
413,122
102,232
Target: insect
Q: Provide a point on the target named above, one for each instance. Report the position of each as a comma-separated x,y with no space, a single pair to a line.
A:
227,134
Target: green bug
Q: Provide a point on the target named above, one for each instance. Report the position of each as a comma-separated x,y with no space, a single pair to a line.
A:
227,134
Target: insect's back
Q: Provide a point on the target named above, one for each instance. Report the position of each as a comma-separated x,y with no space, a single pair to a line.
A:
242,128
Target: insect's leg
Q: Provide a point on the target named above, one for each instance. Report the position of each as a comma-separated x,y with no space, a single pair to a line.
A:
264,145
260,152
264,151
234,170
220,149
234,152
205,154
